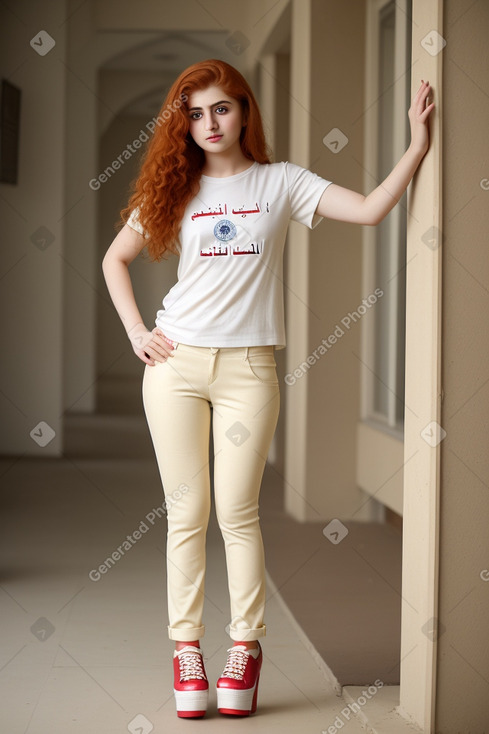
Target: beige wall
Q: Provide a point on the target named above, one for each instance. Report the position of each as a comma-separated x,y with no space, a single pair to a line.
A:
32,277
463,647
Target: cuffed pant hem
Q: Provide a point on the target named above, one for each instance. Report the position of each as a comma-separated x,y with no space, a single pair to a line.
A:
242,635
185,634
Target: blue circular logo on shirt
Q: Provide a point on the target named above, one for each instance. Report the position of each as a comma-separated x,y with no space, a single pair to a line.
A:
225,230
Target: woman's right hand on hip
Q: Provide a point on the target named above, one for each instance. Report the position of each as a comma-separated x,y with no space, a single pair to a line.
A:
150,346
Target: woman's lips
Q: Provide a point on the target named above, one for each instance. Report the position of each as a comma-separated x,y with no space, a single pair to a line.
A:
214,139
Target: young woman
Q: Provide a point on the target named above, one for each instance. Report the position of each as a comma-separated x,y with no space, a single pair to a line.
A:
208,192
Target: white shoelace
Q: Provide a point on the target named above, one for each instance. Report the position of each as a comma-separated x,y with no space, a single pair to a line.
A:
191,666
236,663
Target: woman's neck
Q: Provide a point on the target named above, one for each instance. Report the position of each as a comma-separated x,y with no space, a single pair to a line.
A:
225,167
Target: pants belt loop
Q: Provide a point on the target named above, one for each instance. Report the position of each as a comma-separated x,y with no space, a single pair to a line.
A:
246,353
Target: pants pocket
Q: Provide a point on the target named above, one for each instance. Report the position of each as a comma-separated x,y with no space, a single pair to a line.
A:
263,368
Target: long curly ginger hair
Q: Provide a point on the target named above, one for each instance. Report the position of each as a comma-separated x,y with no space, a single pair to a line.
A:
171,166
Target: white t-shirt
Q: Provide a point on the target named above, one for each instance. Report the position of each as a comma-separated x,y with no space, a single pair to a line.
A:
229,291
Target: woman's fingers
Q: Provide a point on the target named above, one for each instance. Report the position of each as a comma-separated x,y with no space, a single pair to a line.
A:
424,95
419,107
159,347
153,356
422,92
156,349
163,340
426,112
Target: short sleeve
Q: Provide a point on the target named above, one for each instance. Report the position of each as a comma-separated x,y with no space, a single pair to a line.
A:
134,222
305,189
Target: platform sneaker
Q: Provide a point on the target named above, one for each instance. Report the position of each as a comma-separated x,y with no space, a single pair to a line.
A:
237,688
190,686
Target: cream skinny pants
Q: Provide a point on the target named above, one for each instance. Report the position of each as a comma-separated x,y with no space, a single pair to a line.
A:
242,386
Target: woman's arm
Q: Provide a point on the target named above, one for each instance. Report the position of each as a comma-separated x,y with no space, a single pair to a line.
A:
125,247
349,206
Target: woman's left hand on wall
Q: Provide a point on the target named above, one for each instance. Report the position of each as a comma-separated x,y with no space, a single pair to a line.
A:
418,114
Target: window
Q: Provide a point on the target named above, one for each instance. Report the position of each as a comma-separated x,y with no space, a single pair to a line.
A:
388,88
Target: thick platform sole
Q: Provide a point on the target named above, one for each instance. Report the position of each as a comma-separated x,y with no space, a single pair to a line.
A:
239,703
191,704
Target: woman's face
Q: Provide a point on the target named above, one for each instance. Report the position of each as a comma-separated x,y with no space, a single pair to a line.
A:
217,114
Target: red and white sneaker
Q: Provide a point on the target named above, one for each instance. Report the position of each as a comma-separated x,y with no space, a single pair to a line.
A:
191,687
237,688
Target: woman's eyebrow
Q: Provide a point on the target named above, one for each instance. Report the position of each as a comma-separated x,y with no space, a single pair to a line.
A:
212,105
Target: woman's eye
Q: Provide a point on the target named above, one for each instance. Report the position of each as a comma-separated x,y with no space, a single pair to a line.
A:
192,116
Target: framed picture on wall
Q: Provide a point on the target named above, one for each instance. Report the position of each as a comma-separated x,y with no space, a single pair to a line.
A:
9,132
